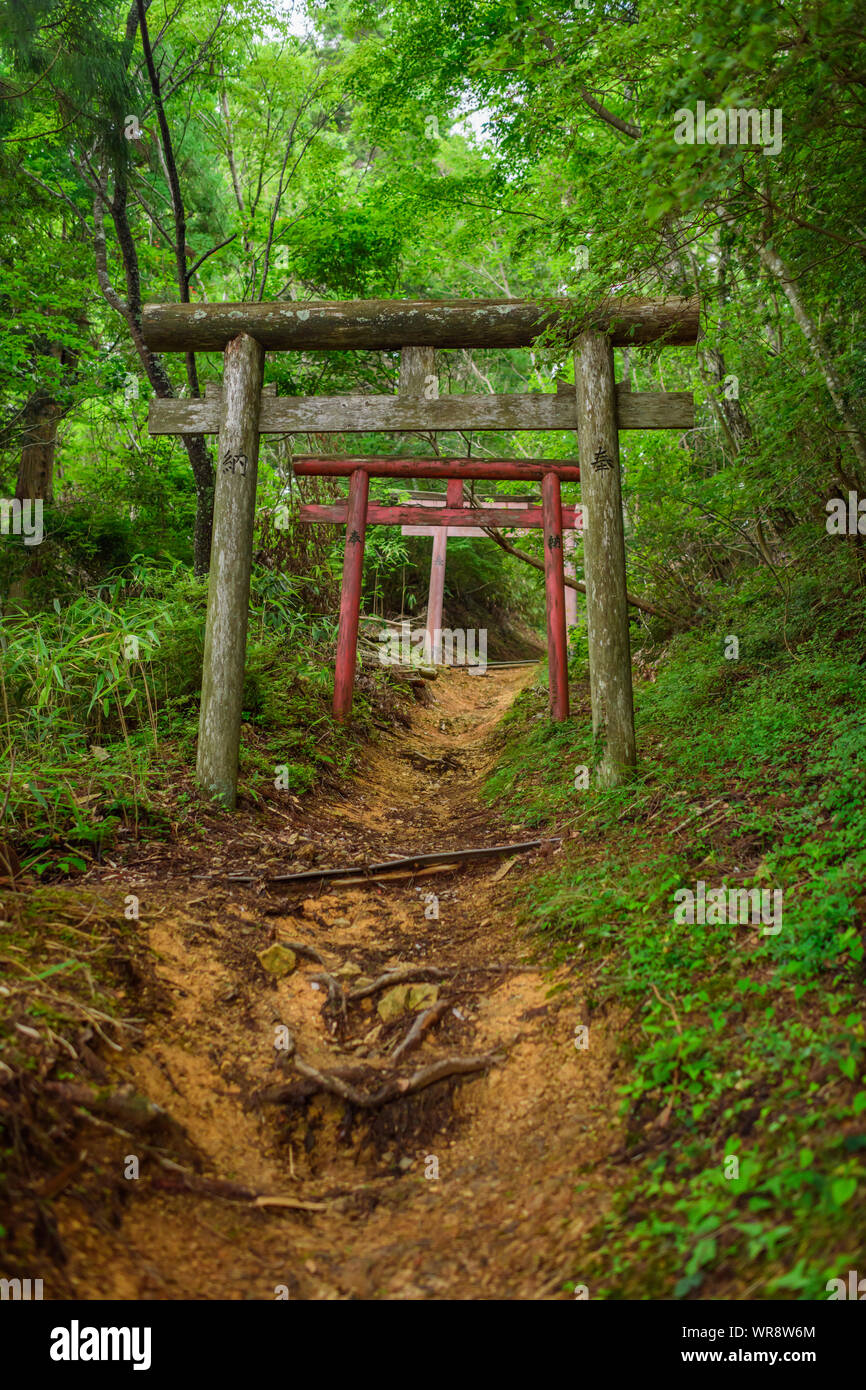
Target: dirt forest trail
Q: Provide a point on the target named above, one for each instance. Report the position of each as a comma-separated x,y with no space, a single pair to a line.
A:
509,1144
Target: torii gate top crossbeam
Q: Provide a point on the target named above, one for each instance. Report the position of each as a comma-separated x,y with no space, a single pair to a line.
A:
396,323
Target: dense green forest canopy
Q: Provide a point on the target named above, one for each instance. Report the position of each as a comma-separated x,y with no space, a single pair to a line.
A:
205,151
256,151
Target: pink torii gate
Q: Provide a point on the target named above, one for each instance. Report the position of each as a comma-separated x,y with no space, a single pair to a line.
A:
441,535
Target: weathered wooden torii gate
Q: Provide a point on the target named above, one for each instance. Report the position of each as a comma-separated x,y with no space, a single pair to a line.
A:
241,412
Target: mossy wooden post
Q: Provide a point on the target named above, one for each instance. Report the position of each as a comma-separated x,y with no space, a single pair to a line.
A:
604,559
228,598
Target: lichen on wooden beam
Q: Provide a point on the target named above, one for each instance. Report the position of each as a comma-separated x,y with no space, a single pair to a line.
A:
376,324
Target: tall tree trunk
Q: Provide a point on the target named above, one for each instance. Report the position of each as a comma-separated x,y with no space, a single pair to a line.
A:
203,473
196,448
36,467
153,365
773,263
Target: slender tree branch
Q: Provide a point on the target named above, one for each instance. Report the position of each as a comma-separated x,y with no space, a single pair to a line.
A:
211,252
510,549
624,127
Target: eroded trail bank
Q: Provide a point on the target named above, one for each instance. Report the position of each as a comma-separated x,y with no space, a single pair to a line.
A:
463,1189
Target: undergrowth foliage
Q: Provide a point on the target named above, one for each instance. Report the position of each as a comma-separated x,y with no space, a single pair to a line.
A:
100,705
76,985
742,1070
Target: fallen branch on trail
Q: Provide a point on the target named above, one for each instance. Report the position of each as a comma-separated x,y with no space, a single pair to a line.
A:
507,665
400,975
499,539
411,861
398,873
423,1023
229,1191
292,1202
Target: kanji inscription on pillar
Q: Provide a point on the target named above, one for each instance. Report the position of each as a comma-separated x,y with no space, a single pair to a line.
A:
602,459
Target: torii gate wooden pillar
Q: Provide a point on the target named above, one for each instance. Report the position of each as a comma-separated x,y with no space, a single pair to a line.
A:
244,332
228,595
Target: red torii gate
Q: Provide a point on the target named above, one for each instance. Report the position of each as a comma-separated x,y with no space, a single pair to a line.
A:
358,512
597,407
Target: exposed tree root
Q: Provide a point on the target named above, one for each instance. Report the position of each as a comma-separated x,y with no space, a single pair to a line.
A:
134,1111
306,952
421,1025
395,1088
402,975
336,995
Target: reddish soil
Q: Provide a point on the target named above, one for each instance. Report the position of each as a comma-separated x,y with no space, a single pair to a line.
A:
465,1189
